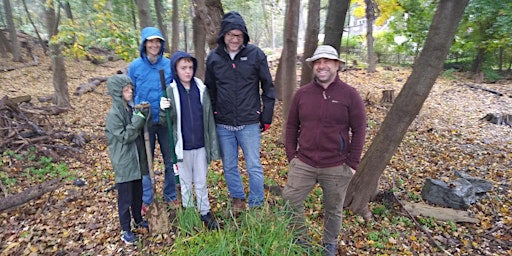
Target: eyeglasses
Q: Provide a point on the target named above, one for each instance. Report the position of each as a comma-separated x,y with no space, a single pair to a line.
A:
230,36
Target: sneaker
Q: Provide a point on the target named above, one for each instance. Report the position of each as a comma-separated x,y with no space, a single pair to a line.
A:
330,249
237,206
142,224
128,237
210,221
143,210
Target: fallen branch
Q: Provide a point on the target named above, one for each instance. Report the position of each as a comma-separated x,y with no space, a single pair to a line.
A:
445,214
90,86
432,240
29,194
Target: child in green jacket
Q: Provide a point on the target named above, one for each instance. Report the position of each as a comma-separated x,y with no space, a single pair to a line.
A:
127,154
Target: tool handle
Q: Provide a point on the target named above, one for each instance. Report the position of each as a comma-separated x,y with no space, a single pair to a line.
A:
168,117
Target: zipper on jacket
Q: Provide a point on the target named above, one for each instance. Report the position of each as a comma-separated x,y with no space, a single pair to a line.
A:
191,116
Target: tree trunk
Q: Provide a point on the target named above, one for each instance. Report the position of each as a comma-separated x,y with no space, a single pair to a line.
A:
15,45
41,42
160,18
311,42
4,45
134,15
210,13
199,39
335,21
407,105
175,26
287,70
370,18
29,194
59,80
144,14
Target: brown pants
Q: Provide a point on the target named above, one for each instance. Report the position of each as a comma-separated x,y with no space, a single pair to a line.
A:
334,183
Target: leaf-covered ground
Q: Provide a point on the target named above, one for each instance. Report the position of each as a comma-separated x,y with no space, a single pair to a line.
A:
446,136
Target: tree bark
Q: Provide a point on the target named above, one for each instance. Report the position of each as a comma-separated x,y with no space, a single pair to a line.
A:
312,30
59,76
335,21
370,19
287,71
199,39
407,105
29,194
175,45
144,14
210,13
15,45
160,18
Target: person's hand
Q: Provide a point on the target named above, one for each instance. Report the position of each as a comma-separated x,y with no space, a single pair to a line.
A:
264,127
165,103
142,108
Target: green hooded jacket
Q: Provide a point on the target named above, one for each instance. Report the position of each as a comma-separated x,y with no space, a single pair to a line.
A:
124,134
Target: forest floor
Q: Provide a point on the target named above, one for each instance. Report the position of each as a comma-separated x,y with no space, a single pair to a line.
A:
448,135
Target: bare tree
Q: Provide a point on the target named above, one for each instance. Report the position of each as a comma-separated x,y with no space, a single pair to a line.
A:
41,42
335,21
199,39
13,36
144,14
311,42
286,77
160,18
371,14
175,26
407,105
210,14
60,79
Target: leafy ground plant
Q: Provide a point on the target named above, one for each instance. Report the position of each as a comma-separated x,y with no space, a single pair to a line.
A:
262,231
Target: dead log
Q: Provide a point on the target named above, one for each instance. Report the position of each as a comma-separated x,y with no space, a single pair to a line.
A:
29,194
439,213
90,85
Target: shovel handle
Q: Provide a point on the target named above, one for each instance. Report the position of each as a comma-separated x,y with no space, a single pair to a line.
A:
168,117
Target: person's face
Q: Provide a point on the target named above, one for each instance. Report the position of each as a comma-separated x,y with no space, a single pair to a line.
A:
234,39
325,70
153,47
127,93
185,70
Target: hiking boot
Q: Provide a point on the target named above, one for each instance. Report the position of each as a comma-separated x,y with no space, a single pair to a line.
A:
128,237
237,206
330,249
142,224
209,221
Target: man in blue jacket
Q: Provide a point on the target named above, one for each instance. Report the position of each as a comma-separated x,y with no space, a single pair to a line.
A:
144,72
235,73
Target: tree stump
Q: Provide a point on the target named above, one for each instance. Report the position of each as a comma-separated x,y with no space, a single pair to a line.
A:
387,96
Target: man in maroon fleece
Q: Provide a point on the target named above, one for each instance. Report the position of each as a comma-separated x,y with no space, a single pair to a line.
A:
325,135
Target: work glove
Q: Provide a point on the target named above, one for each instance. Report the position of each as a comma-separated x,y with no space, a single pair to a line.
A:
138,119
165,103
264,127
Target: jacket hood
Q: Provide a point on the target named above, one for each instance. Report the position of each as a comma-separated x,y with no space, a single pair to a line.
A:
176,56
115,85
150,33
230,21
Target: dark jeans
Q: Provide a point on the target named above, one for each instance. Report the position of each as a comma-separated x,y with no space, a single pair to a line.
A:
161,133
129,197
